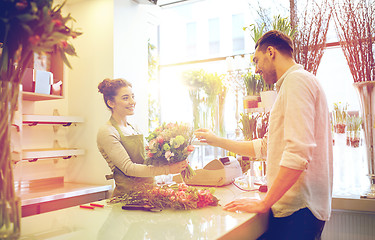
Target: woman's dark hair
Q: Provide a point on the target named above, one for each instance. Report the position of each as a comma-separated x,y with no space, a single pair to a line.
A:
109,88
276,39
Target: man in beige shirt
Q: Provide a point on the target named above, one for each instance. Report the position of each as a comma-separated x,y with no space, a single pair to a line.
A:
298,146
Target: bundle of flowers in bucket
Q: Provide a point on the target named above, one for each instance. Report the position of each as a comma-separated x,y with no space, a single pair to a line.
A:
170,143
177,196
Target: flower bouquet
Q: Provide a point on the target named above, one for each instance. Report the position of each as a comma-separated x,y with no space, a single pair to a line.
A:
177,196
170,143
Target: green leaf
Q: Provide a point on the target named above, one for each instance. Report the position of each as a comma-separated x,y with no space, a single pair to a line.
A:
65,60
27,17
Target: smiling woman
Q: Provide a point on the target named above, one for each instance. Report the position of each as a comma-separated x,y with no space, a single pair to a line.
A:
121,144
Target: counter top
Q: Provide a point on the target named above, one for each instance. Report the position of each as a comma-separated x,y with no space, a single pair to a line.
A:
111,222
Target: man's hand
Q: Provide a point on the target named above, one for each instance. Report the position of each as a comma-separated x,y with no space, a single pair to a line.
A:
247,205
205,135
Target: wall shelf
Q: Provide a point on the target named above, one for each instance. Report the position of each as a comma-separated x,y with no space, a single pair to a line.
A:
45,119
35,154
31,96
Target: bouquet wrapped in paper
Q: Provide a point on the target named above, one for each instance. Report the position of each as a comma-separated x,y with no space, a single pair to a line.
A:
170,143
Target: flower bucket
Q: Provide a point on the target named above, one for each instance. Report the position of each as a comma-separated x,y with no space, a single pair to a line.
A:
366,92
251,101
268,98
10,207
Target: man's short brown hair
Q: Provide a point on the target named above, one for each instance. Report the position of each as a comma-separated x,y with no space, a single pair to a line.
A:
282,42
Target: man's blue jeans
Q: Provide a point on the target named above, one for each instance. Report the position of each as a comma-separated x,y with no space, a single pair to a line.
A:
301,225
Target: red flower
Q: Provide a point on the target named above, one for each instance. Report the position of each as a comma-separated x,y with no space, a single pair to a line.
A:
182,187
160,140
34,40
190,148
57,22
64,44
21,5
150,154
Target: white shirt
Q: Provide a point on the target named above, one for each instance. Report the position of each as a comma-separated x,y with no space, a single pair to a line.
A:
300,138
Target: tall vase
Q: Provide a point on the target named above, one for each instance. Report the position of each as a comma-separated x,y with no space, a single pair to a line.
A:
366,92
10,204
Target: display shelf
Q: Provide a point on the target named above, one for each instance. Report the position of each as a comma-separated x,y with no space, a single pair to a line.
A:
45,119
31,96
35,154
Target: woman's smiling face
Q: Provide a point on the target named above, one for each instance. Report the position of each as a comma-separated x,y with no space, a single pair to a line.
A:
124,102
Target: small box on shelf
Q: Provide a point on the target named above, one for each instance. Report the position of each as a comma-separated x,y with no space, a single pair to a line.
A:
44,80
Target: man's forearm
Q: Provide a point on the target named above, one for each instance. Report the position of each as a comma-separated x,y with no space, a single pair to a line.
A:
243,148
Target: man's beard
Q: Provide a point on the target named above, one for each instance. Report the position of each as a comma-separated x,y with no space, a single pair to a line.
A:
270,77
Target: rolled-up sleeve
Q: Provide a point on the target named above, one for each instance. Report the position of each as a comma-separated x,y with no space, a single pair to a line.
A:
298,123
260,147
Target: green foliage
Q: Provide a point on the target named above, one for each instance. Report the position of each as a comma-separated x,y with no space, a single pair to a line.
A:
249,124
254,125
340,113
353,123
256,31
253,83
206,88
283,25
279,23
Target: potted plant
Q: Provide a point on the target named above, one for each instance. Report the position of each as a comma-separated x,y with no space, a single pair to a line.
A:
26,27
339,117
353,131
253,85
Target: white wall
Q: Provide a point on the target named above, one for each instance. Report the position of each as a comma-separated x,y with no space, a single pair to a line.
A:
113,45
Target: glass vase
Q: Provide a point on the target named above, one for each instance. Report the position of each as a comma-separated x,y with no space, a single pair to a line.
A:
366,93
10,207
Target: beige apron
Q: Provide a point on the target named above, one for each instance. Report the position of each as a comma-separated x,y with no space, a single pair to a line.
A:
133,145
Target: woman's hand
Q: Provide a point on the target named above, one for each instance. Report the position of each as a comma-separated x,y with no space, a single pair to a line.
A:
205,135
177,167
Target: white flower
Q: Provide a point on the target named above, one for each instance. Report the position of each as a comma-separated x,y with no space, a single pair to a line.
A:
168,155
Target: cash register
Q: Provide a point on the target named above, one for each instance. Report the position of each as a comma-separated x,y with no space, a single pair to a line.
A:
218,172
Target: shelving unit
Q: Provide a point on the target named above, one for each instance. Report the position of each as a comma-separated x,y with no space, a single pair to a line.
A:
35,154
30,96
32,120
48,191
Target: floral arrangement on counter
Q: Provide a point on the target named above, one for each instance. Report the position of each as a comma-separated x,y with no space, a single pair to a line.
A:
177,196
170,143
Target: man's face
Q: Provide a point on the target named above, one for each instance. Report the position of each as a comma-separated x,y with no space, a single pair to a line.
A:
264,65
